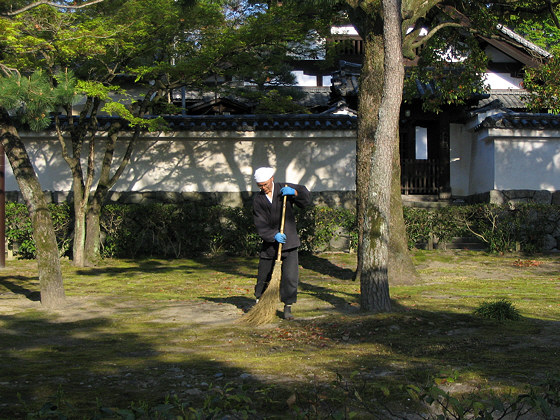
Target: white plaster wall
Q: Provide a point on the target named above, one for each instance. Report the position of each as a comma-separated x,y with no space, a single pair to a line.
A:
222,162
460,159
482,167
527,164
502,81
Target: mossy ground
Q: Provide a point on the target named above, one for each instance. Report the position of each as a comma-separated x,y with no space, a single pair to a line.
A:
138,331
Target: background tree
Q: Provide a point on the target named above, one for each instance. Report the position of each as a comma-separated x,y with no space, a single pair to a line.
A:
539,22
422,23
159,46
27,99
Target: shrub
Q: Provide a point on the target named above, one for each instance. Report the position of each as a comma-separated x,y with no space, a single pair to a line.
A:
19,232
192,229
500,310
319,224
502,228
158,230
179,230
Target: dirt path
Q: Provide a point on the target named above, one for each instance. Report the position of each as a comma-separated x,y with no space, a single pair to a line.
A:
83,308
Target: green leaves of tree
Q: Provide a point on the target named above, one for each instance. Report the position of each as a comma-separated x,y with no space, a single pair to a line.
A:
32,98
544,87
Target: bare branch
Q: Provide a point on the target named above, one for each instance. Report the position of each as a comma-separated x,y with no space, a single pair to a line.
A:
433,31
8,71
52,4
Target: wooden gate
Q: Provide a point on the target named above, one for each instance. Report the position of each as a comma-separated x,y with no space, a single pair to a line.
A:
419,177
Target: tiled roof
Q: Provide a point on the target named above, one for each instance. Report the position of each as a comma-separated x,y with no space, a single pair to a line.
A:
509,98
521,40
520,120
249,122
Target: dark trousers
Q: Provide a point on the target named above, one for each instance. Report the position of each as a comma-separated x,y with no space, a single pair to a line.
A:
290,276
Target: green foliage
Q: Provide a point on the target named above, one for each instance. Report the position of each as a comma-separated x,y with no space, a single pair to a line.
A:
500,310
319,224
537,402
343,399
169,230
278,101
502,228
227,401
30,98
505,228
151,124
189,229
97,89
544,87
450,68
235,234
497,226
443,223
177,230
19,232
536,23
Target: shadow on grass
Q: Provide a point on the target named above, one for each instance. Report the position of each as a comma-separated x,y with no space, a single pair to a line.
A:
91,359
14,284
94,366
327,295
241,302
325,267
226,264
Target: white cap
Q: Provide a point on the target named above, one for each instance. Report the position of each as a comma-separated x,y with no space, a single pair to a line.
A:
263,174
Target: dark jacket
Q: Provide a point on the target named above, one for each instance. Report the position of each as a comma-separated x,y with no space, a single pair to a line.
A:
267,217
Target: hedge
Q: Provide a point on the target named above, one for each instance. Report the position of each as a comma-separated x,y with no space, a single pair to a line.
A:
189,229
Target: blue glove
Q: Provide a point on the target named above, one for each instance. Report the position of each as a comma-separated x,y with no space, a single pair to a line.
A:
288,191
280,237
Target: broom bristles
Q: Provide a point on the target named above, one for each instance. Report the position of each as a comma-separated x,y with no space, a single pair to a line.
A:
265,310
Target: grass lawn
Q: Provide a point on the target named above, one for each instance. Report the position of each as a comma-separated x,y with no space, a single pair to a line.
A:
156,337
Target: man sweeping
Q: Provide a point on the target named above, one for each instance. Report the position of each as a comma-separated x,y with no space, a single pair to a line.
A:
268,207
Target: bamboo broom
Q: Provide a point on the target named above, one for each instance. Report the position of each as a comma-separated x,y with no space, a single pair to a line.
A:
264,311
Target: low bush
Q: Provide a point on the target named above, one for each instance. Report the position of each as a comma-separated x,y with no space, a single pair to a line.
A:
191,229
318,225
500,310
19,233
343,399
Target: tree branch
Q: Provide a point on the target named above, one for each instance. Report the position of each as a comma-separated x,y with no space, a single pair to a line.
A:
433,31
553,13
50,3
8,71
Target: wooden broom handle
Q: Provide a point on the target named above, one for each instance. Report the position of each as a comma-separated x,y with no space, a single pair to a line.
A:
279,256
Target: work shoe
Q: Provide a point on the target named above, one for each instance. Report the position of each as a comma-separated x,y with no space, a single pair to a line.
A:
288,312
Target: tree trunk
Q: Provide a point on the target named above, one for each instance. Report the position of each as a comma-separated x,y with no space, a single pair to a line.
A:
48,261
80,187
401,267
105,183
369,98
374,278
93,233
78,254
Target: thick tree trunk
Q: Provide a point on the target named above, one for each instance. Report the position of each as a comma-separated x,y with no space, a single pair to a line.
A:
371,79
50,273
401,267
374,279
